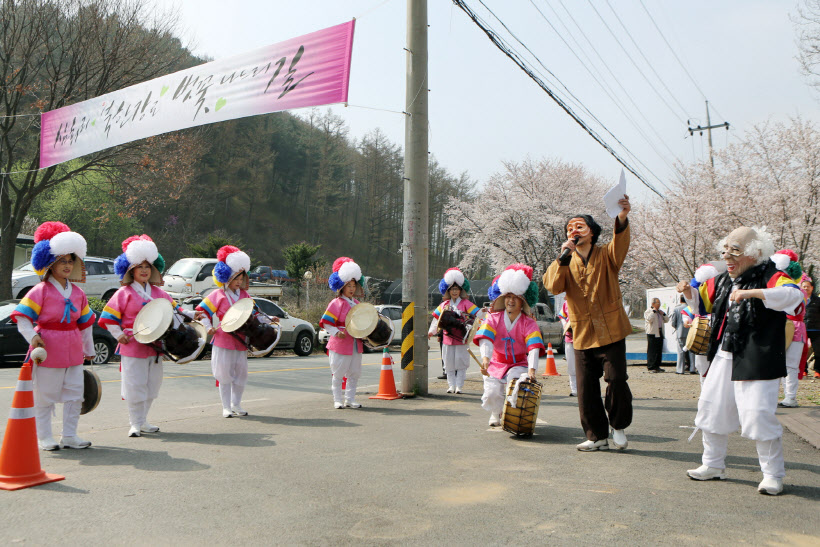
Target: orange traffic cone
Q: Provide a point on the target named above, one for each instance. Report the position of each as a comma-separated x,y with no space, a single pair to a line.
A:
550,371
20,456
387,385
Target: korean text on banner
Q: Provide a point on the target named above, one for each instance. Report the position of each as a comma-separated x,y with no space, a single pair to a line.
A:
310,70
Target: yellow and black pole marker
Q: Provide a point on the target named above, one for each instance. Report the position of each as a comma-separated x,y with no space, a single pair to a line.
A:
407,336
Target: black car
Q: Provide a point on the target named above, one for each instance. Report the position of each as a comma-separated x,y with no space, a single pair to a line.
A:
13,347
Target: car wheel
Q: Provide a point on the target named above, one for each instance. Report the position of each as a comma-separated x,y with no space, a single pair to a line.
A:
23,293
303,345
107,296
102,351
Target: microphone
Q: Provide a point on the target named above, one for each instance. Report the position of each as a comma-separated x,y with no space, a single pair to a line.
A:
567,252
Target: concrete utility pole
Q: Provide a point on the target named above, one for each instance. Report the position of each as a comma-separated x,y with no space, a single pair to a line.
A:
708,129
416,206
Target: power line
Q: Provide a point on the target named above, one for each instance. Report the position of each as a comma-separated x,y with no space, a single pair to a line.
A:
499,43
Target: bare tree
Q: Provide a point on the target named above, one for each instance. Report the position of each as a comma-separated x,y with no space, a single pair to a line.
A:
58,52
807,23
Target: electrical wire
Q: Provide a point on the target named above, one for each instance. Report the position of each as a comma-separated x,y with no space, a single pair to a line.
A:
516,58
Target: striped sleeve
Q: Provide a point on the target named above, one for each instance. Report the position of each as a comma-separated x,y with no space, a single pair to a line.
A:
111,314
472,310
27,307
86,316
437,311
486,331
208,307
534,340
330,317
781,279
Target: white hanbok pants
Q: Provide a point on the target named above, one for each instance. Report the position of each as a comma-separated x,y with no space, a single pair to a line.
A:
790,382
57,385
141,380
456,362
569,355
230,368
701,364
495,390
724,406
345,366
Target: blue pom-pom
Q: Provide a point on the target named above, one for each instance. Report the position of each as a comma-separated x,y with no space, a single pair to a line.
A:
121,265
222,272
494,292
335,282
41,257
442,287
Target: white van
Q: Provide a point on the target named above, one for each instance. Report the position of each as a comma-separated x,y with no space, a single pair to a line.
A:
189,276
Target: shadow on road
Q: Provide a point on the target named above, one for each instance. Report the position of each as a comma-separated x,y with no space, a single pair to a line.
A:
300,422
149,460
251,440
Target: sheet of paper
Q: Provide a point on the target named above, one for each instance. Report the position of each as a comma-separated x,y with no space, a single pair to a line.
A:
614,194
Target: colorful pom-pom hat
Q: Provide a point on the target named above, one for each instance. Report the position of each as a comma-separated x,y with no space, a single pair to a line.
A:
344,269
786,261
516,280
453,276
232,262
53,240
494,292
135,251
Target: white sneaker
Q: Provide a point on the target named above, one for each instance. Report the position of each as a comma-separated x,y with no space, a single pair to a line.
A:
48,444
770,486
458,390
619,441
74,442
706,473
495,421
239,411
592,446
337,404
134,431
788,403
226,413
148,428
450,389
352,404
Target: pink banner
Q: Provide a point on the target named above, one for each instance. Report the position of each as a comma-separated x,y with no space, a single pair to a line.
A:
310,70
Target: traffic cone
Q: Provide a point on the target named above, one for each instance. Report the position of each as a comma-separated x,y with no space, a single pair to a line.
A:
387,385
550,371
20,455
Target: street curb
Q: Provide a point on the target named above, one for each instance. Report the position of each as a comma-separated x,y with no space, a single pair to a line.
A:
805,423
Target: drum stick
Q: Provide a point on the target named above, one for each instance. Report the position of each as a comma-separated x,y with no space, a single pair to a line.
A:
483,370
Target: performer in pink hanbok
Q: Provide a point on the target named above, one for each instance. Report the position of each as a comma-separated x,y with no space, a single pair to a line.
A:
229,356
139,268
455,288
344,351
569,353
63,320
509,338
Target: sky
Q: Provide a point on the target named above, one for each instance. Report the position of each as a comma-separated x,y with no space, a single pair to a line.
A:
740,55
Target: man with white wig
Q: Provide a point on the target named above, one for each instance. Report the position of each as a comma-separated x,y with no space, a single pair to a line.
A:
746,352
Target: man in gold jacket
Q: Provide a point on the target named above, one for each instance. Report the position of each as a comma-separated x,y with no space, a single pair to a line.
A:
588,274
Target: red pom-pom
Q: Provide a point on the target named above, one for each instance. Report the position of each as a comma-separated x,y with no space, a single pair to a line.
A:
128,241
788,252
223,253
339,261
451,270
524,268
47,230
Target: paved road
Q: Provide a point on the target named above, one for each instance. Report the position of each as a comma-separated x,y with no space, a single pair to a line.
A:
426,470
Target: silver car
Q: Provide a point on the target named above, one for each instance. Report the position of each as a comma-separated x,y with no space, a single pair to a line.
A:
100,279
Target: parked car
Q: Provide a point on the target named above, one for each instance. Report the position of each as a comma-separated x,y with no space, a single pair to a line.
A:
13,347
100,279
550,326
261,273
393,313
297,334
189,276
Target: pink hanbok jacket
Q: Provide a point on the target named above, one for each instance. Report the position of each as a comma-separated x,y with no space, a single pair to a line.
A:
335,316
122,311
510,349
217,303
59,321
465,307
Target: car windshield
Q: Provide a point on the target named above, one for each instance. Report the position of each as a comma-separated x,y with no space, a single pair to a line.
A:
27,267
184,268
6,309
260,269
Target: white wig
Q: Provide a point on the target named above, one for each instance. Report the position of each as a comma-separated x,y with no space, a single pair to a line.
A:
761,247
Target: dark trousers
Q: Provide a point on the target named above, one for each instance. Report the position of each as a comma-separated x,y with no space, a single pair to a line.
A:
610,362
654,349
814,336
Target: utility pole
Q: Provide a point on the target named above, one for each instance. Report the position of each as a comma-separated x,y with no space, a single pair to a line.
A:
416,206
708,129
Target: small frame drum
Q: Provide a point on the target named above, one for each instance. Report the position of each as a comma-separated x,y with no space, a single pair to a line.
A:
455,325
92,390
241,320
153,326
185,342
363,321
382,335
697,341
520,421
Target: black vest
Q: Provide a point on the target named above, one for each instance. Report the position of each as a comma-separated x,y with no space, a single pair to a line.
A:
762,348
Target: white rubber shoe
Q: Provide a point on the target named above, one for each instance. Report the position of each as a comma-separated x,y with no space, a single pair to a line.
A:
619,441
495,421
74,442
134,431
48,444
239,411
770,486
149,428
592,446
706,473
